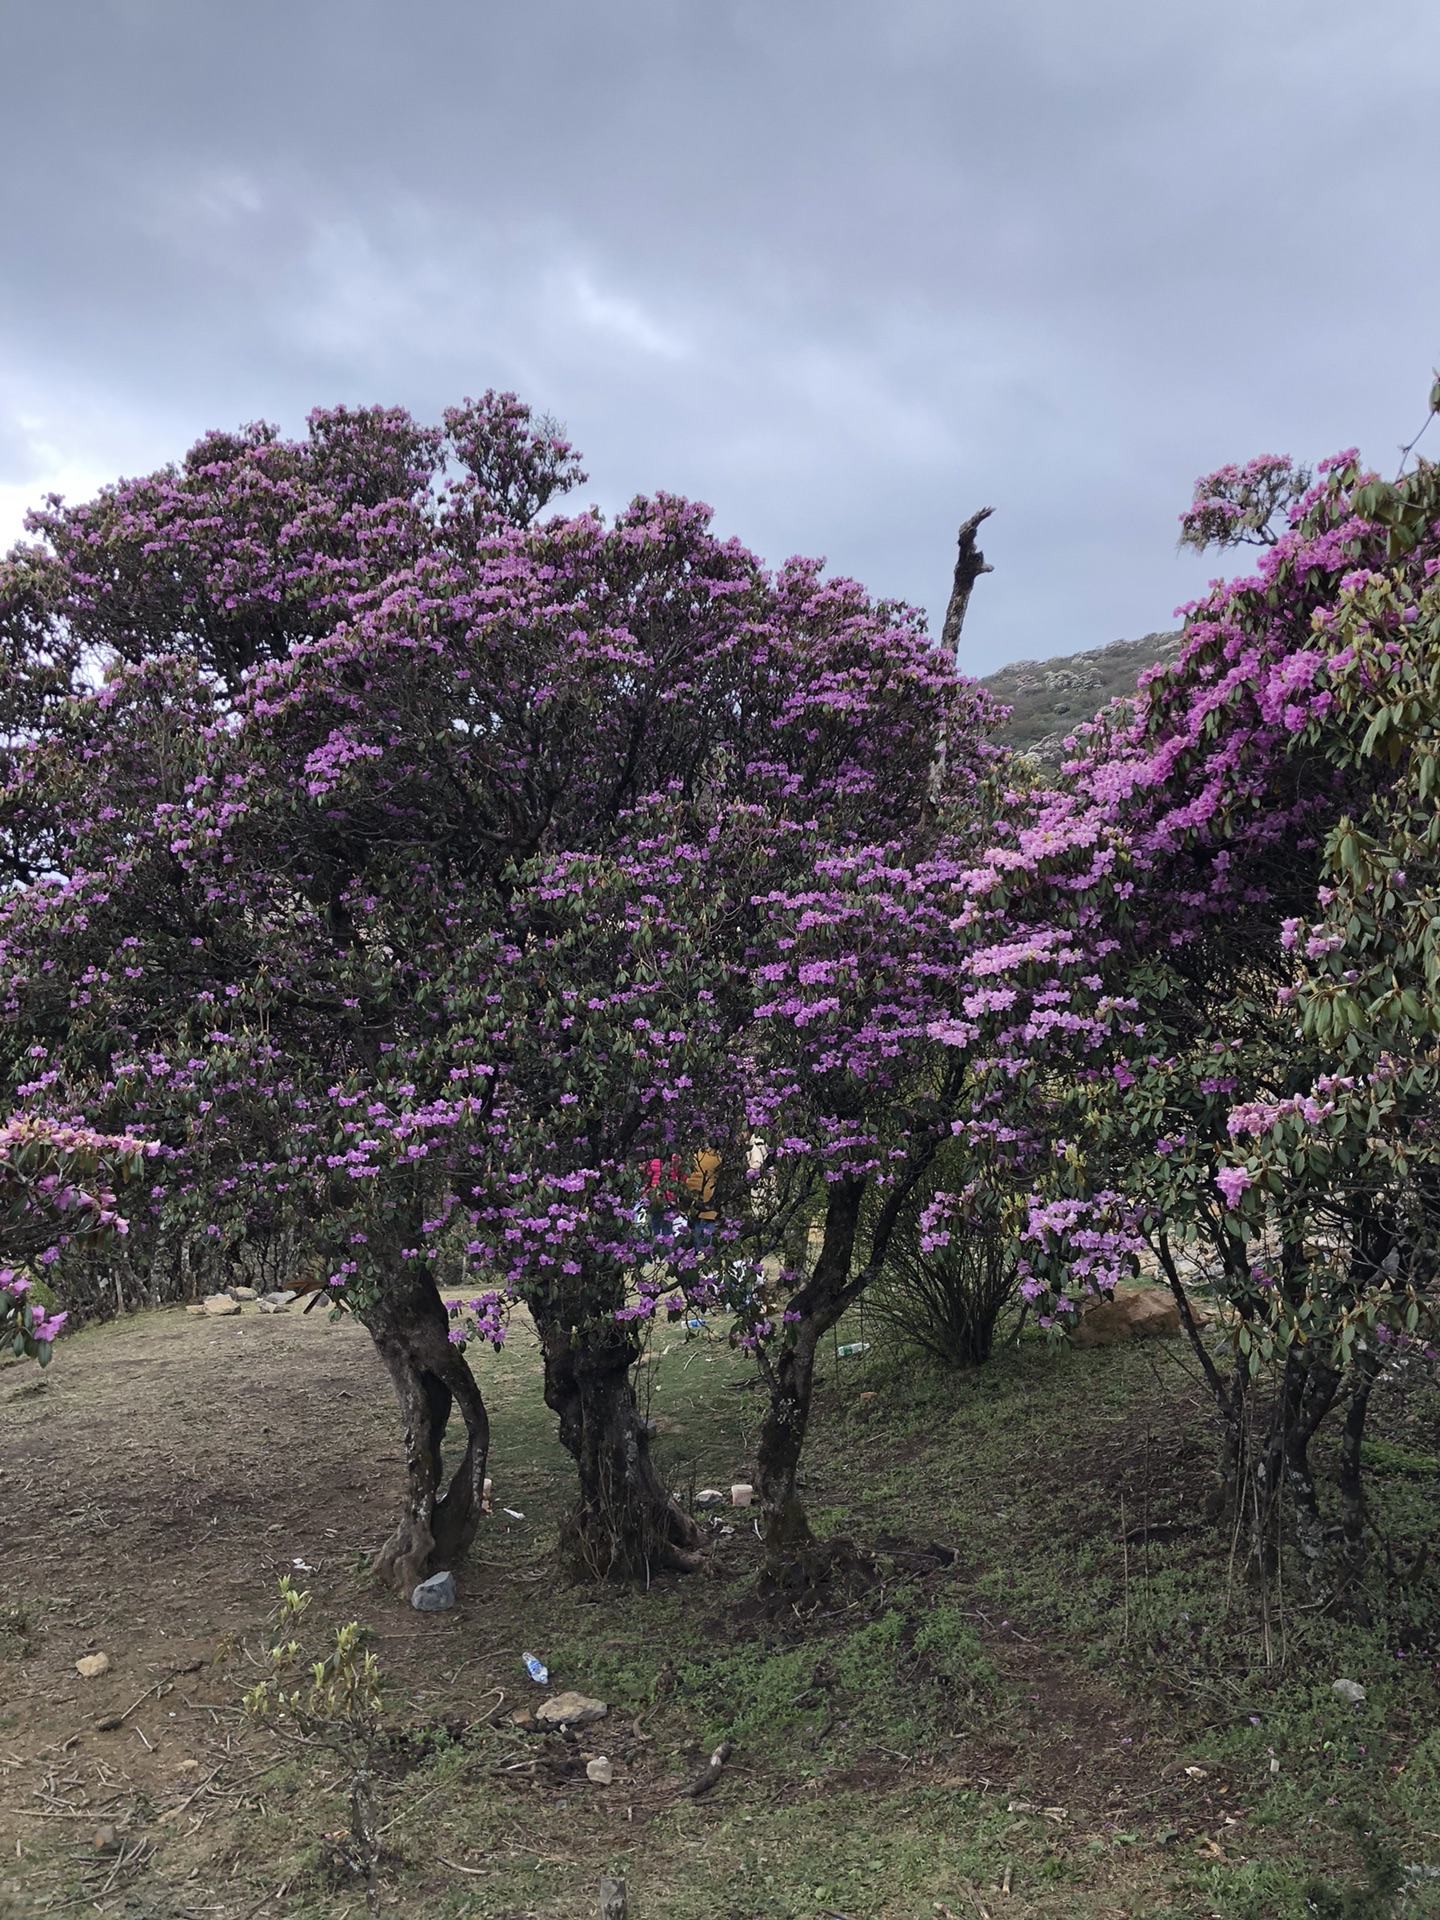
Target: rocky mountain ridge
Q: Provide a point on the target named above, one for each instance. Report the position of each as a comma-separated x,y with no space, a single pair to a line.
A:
1048,699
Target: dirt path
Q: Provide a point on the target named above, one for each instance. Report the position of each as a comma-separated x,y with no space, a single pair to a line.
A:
155,1483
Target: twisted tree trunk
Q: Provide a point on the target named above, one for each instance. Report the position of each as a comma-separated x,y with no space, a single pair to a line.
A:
410,1327
790,1375
624,1524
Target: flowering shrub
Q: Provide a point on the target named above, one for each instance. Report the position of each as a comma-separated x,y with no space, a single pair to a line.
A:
55,1192
1073,1247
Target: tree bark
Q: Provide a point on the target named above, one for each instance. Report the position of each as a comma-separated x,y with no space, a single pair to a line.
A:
1352,1489
624,1525
785,1526
410,1327
1231,1393
970,563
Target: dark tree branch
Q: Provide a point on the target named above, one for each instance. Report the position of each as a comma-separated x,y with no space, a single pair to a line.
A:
970,563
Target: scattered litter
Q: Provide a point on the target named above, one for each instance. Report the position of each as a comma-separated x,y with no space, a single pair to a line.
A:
1196,1773
536,1669
1274,1764
741,1494
710,1497
851,1348
302,1566
511,1514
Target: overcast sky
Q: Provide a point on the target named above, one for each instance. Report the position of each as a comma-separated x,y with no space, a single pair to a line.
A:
846,269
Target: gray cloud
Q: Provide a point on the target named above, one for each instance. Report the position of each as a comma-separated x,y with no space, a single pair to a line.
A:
844,269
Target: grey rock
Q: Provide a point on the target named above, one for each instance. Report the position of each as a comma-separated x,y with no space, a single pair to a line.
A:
570,1710
1350,1691
435,1595
219,1304
243,1293
614,1902
599,1771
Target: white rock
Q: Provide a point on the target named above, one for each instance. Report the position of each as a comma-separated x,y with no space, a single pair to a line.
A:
219,1304
570,1710
92,1665
243,1293
599,1770
1350,1691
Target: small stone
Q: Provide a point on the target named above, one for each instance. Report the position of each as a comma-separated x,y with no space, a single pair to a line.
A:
219,1304
92,1665
1350,1691
522,1717
105,1840
277,1301
435,1595
599,1770
243,1293
570,1710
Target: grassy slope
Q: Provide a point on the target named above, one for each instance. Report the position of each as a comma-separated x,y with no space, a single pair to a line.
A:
1015,1700
1050,698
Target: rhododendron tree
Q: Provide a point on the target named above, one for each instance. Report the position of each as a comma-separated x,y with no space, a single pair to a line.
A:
366,778
1266,1107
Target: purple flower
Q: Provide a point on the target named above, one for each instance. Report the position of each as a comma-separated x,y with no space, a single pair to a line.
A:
1232,1182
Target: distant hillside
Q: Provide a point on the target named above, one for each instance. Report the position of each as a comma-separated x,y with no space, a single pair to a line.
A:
1050,698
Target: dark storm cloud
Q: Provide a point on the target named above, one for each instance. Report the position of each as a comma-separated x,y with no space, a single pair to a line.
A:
845,270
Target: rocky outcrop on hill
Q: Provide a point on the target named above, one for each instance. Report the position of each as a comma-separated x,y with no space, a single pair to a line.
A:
1050,698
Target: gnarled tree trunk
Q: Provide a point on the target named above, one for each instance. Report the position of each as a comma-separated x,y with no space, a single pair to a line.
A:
624,1525
410,1327
790,1374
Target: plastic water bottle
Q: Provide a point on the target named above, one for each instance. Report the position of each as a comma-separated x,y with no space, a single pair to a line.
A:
852,1347
537,1670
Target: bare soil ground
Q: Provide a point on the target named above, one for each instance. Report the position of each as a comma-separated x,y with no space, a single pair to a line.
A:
1000,1715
